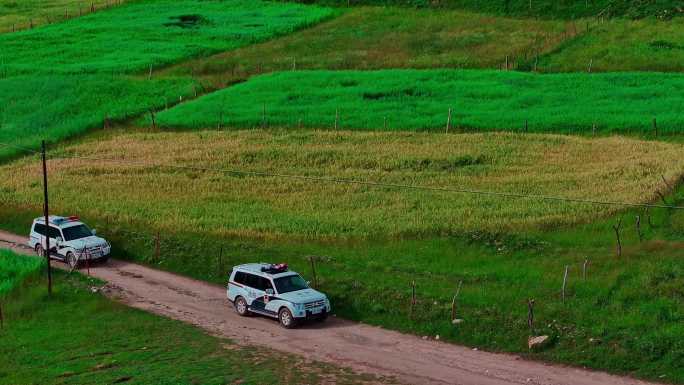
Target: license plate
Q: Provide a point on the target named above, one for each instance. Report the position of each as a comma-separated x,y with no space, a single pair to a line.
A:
316,310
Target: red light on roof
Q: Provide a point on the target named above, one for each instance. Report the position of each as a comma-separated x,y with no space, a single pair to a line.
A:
73,218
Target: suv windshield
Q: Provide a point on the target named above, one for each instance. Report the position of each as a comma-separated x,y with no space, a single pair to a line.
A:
290,283
76,232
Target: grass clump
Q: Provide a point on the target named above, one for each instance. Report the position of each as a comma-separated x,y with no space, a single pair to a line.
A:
270,207
358,39
13,270
137,35
83,338
420,100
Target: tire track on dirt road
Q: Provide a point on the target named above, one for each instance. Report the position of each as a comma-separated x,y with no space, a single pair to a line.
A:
361,347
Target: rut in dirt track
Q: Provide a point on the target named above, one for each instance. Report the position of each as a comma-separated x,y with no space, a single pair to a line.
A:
361,347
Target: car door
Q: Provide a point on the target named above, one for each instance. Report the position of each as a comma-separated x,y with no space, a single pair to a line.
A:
251,283
261,298
272,302
54,233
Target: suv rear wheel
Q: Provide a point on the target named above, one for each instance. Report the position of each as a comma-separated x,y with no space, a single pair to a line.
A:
241,306
286,319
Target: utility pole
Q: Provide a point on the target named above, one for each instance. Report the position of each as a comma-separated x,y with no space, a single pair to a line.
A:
47,221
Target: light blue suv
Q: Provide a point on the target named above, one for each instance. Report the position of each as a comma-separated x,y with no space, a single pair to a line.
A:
273,291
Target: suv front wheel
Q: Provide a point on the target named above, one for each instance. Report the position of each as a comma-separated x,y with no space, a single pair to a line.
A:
241,306
286,319
71,260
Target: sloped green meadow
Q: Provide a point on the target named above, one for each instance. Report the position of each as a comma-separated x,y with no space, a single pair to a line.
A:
138,35
53,108
60,80
420,100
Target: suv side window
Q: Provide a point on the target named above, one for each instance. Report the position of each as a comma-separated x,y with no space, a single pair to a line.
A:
251,281
240,277
266,284
39,228
54,232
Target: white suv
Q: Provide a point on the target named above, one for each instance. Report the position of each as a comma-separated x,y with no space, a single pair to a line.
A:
273,291
70,240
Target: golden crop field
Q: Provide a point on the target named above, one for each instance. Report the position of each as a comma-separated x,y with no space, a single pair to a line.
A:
607,169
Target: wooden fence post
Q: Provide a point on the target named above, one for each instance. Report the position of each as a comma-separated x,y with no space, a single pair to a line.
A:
453,301
413,297
638,228
616,227
157,247
565,282
312,259
263,116
530,315
337,117
448,125
584,269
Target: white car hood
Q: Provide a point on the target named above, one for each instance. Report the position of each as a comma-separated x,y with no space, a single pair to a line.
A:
87,242
303,296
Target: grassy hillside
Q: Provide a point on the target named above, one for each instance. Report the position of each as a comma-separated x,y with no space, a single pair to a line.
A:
621,45
140,34
78,337
21,14
33,108
567,9
625,316
420,100
270,207
365,38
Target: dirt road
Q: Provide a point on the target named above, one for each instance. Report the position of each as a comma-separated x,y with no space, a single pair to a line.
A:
361,347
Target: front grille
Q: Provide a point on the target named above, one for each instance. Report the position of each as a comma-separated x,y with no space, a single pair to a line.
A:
315,304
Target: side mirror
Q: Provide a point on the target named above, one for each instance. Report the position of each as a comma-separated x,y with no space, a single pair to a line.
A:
94,231
58,240
308,283
269,291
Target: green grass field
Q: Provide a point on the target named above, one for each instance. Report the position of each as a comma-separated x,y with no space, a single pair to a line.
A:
14,269
54,108
364,38
16,15
568,9
78,337
420,101
135,36
621,45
